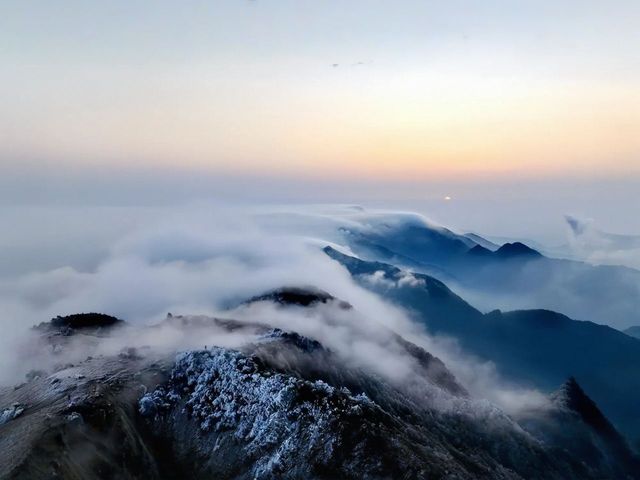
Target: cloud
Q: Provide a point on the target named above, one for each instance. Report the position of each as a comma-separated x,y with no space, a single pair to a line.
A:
400,279
595,246
204,260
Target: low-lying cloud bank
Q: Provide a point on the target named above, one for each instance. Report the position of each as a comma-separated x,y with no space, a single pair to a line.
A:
206,261
589,243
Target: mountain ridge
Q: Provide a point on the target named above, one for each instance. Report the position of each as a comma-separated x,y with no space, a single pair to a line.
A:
542,346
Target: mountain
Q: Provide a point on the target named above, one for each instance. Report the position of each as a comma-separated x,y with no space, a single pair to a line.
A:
512,275
430,296
483,242
507,251
535,347
81,322
279,405
480,251
573,421
303,297
409,237
516,249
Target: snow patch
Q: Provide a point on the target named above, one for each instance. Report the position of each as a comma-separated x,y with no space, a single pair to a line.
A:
10,413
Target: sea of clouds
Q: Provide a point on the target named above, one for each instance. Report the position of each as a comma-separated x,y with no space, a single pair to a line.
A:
205,260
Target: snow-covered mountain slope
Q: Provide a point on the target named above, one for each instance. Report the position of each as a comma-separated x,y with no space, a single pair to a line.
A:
248,420
269,404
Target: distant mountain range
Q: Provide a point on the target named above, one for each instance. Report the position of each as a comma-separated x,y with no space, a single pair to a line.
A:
535,347
510,276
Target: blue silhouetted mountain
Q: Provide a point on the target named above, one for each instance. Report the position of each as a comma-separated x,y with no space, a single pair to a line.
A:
516,249
433,298
480,251
508,251
536,347
412,240
572,421
513,275
483,242
380,253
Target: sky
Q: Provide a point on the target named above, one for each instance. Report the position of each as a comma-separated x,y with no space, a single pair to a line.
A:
331,88
527,108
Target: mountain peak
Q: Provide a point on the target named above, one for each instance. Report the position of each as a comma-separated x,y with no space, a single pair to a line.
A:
302,297
482,241
517,249
571,395
570,392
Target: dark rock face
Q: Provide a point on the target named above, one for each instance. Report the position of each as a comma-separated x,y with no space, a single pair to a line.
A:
80,321
303,297
303,343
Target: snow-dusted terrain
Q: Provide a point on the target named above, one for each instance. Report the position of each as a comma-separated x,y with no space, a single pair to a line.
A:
269,403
